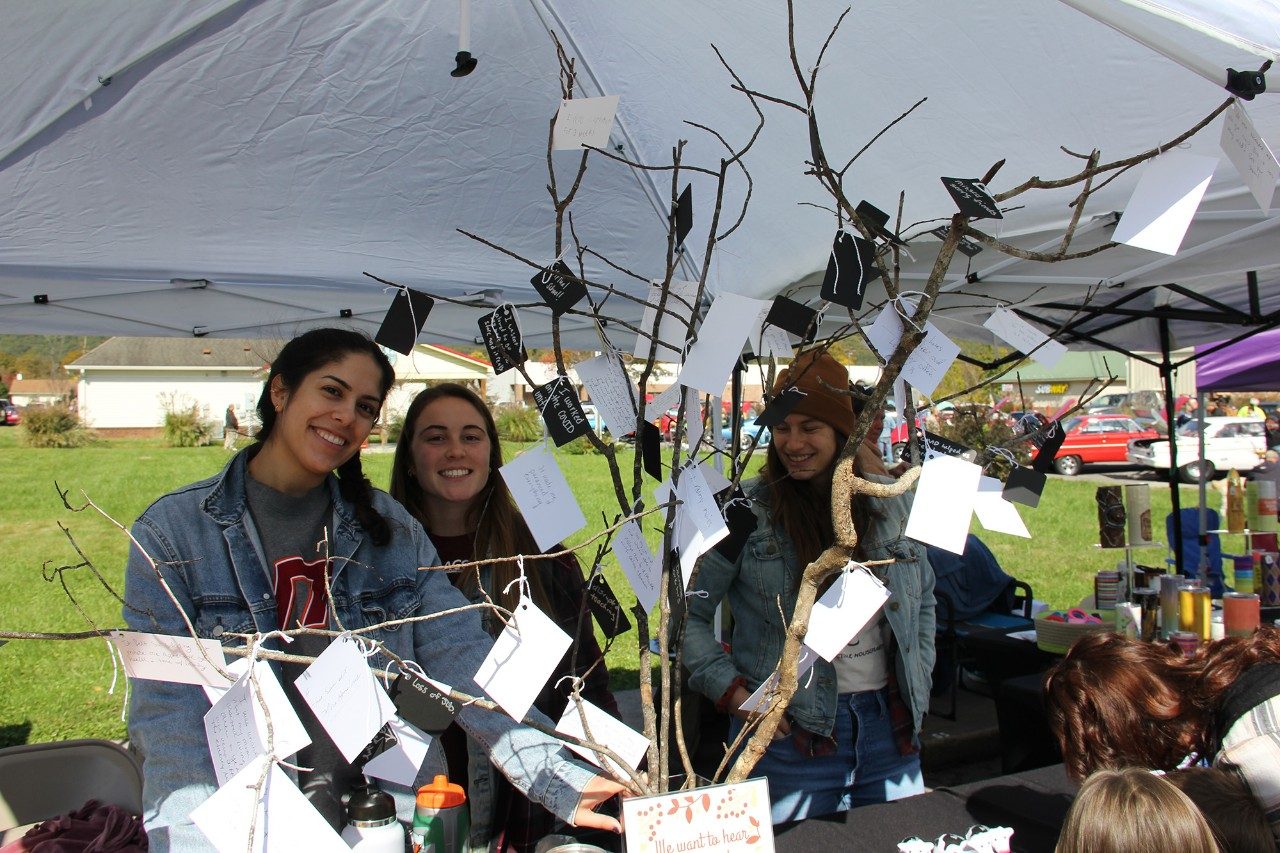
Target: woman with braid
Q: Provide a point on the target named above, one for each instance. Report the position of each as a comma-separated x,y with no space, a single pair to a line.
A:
291,534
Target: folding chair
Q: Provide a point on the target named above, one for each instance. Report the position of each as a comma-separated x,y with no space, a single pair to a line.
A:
43,780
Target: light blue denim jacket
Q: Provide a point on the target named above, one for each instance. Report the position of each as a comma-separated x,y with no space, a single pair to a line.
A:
766,571
203,538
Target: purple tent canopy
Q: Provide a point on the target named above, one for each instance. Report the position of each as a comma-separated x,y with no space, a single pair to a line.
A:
1251,365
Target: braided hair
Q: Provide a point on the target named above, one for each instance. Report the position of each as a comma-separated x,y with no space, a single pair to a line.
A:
304,355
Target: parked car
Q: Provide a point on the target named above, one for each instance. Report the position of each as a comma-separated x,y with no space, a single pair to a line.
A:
1238,443
749,430
9,414
1097,438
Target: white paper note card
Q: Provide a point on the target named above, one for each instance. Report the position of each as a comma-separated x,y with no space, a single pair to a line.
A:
279,816
1160,210
720,338
844,610
666,400
345,696
608,731
943,505
543,495
523,658
757,701
1024,337
584,121
400,763
611,390
928,362
161,657
639,564
994,512
1249,153
677,316
236,725
719,819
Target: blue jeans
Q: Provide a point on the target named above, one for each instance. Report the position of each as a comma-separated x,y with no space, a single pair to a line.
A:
865,768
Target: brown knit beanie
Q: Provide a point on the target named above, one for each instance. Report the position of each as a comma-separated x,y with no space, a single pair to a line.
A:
811,369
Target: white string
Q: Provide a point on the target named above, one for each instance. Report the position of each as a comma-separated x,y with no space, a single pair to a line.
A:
697,593
1004,453
525,595
256,647
365,646
575,683
895,302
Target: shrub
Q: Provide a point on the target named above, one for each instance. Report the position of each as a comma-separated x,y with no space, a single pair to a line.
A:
519,423
54,426
184,423
977,427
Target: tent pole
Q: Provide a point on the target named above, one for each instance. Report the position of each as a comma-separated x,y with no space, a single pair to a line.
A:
1204,488
1166,375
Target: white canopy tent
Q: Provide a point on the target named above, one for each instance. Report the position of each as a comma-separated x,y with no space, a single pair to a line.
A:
231,168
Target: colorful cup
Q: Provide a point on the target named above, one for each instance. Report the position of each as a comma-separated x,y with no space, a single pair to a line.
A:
1241,613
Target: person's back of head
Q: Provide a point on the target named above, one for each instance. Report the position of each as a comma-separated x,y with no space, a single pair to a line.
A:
1237,819
1133,811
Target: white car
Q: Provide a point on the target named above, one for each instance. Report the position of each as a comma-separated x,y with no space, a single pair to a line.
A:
1238,443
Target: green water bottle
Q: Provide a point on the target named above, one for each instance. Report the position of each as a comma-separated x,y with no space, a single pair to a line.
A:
440,820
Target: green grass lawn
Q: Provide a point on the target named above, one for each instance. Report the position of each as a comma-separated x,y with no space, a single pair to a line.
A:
59,690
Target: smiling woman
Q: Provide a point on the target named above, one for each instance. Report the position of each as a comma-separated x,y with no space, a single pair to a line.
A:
292,535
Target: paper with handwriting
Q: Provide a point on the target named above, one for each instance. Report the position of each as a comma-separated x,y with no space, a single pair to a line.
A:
522,659
639,564
928,362
162,657
606,731
236,725
345,696
543,495
1249,153
1024,337
584,121
677,316
612,392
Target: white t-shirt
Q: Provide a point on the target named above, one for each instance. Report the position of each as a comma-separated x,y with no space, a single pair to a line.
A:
864,663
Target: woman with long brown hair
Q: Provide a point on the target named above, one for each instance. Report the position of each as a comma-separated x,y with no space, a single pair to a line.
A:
445,472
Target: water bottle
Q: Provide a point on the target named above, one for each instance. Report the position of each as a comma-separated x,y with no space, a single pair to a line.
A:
440,821
371,822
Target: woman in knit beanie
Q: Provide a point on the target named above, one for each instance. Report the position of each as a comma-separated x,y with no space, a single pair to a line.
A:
850,736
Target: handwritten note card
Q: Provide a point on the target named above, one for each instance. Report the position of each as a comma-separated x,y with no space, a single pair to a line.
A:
160,657
677,316
345,696
844,610
699,524
523,658
236,726
606,731
928,362
543,495
943,505
720,338
994,512
1249,153
584,121
279,816
1163,203
719,818
639,564
611,390
1024,337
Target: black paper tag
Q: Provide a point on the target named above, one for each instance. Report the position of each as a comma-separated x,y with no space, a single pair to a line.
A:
742,523
851,266
651,450
1049,443
877,221
605,606
972,198
561,410
502,340
404,320
779,407
683,214
559,287
934,443
1024,486
965,246
382,741
791,316
422,704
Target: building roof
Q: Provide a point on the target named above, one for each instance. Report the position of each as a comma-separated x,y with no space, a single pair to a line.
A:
223,353
1074,365
39,387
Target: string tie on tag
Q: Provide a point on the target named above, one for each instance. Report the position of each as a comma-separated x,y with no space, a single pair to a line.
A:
522,580
256,647
1005,454
575,683
366,647
697,593
406,665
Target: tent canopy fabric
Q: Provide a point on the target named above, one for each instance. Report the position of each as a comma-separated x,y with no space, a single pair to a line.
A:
1250,365
232,167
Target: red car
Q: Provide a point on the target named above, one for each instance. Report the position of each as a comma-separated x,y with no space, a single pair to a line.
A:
1097,438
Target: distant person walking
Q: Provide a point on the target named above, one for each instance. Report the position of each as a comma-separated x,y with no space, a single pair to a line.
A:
230,428
1253,409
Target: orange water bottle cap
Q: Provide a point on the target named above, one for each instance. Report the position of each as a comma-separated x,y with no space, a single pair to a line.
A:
441,794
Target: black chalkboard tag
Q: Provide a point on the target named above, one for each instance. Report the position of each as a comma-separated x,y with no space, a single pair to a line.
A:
966,246
1024,486
1049,443
935,444
794,317
651,450
972,198
683,214
404,320
780,406
420,703
382,741
559,287
561,410
742,523
502,339
605,606
877,221
851,266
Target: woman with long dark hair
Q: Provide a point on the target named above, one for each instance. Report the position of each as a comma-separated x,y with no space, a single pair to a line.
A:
290,534
850,736
446,473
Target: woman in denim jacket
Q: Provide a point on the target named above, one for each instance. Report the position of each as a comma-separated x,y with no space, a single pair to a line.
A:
239,553
850,736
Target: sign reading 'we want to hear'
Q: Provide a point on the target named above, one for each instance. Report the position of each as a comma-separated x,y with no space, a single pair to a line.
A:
719,818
